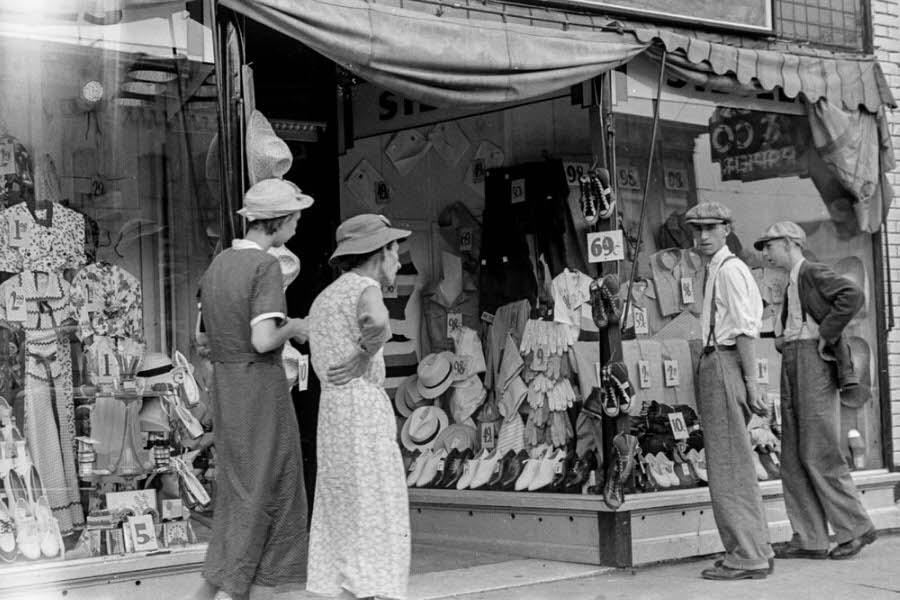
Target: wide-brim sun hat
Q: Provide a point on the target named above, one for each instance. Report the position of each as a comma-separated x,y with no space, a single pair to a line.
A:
457,436
407,397
363,234
435,373
273,198
422,428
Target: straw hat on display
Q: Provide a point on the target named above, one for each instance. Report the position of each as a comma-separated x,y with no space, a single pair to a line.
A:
458,436
268,156
155,368
435,374
407,397
421,429
363,234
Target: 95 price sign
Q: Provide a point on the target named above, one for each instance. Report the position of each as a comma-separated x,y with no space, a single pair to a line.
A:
604,246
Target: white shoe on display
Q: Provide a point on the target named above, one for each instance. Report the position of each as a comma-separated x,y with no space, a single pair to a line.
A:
548,468
485,469
27,537
469,470
532,466
667,468
699,461
48,528
431,467
415,471
657,472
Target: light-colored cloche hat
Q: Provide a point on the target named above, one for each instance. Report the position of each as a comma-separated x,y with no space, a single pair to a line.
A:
363,234
273,198
422,428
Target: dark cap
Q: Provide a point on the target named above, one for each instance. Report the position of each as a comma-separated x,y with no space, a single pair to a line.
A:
708,213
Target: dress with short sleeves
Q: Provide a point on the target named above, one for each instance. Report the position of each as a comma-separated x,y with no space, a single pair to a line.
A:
359,537
259,527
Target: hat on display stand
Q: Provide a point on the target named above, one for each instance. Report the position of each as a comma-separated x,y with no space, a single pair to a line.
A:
435,374
458,436
423,427
407,397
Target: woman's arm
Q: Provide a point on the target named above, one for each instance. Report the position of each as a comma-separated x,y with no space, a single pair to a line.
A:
374,325
267,335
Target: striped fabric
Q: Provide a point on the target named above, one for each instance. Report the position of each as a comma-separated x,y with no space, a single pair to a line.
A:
400,357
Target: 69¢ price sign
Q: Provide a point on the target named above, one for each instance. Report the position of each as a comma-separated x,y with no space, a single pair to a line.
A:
604,246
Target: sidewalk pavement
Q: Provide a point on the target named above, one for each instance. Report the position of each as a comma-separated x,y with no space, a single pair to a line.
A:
872,575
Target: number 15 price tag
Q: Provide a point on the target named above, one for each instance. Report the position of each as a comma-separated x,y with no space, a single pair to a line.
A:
604,246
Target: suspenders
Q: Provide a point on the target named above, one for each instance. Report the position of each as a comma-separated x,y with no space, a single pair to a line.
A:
709,347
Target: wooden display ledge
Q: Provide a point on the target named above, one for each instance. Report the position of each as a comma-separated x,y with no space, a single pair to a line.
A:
647,528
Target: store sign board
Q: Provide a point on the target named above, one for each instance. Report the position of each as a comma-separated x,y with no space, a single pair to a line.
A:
743,15
750,145
377,110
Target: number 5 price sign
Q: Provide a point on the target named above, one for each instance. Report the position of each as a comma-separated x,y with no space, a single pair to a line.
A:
604,246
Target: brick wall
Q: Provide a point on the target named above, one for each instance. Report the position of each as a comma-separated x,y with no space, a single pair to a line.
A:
886,26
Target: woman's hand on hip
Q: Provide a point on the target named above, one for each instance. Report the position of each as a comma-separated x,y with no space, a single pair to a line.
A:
350,369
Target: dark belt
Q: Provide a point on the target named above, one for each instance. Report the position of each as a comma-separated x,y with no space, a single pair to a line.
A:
247,357
711,349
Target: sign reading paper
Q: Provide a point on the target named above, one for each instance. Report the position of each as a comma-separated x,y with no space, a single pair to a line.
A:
604,246
742,15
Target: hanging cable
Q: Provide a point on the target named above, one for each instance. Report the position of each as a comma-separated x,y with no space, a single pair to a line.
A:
640,227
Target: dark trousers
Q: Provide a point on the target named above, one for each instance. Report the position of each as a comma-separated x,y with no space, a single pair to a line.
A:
818,488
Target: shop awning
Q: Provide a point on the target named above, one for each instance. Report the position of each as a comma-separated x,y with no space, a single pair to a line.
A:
483,53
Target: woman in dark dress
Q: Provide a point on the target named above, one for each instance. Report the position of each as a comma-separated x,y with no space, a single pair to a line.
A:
260,523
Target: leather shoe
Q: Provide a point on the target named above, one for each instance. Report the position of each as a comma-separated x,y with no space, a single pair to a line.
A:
500,469
514,471
790,551
770,570
723,573
454,469
852,548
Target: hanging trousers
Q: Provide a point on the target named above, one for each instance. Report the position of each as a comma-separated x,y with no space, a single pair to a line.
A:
733,487
818,488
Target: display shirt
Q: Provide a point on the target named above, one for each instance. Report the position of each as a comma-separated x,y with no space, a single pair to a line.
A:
106,300
49,240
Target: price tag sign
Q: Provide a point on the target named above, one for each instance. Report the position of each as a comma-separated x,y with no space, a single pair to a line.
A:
640,320
539,363
670,369
762,370
143,533
92,301
460,367
382,193
776,408
604,246
687,290
454,322
487,317
517,191
644,374
676,180
303,373
679,428
389,291
7,159
465,239
627,178
574,172
19,233
15,306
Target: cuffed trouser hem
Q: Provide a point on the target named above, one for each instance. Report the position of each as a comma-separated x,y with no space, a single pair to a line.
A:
856,532
748,564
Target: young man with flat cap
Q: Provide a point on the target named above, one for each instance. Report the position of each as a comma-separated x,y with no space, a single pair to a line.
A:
727,394
815,364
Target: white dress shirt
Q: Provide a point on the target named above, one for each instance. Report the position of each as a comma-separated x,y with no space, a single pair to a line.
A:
794,326
738,302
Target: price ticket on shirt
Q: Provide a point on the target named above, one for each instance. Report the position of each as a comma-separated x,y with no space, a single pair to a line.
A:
641,326
303,373
670,370
605,246
454,322
465,239
15,305
19,232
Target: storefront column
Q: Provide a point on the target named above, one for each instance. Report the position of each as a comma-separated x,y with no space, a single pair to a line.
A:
886,31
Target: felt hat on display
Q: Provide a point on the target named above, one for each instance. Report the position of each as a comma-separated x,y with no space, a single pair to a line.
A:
707,213
155,368
365,233
407,397
858,395
435,374
466,397
273,198
268,156
782,230
458,436
422,428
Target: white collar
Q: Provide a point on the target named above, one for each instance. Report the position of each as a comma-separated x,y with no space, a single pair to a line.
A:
719,257
795,271
242,244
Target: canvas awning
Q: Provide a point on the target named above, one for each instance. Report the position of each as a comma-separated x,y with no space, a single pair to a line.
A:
481,53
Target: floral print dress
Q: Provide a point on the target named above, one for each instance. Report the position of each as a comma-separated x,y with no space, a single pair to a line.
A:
359,539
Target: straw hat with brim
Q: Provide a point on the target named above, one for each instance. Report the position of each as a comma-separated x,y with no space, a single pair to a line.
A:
458,436
273,198
435,374
407,397
155,368
423,427
363,234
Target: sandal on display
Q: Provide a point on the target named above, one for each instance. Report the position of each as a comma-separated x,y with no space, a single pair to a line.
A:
27,537
34,487
667,468
857,448
48,528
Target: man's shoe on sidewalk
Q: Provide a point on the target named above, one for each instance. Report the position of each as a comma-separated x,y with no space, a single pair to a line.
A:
770,570
789,551
852,548
723,573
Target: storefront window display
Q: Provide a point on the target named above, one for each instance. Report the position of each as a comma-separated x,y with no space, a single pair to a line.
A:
106,222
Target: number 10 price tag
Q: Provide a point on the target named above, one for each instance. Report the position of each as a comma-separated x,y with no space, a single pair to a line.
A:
303,373
679,428
604,246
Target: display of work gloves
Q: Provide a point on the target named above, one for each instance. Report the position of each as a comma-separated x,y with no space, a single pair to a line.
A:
544,338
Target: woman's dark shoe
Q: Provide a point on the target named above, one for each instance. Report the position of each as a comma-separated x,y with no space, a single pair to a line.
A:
501,468
579,473
513,471
454,470
442,469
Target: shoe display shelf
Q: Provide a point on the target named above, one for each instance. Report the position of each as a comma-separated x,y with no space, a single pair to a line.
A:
647,528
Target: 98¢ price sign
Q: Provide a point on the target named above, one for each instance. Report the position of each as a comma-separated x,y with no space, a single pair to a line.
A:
604,246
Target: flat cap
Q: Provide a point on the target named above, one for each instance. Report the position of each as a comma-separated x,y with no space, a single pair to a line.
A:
708,212
782,229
